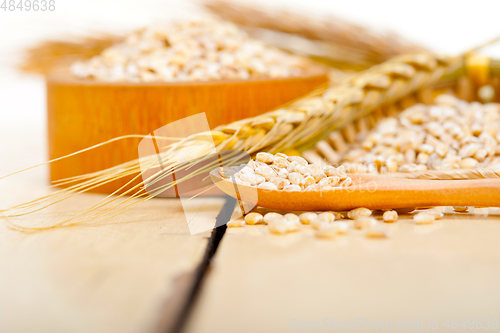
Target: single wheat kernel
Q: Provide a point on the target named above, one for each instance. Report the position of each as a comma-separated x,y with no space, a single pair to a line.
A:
275,169
313,187
422,167
306,218
330,171
293,167
461,209
236,223
228,172
469,150
309,180
436,212
468,163
296,179
292,187
422,158
247,170
303,170
269,216
318,175
327,216
424,218
314,168
254,218
266,172
292,218
283,173
481,154
265,157
390,216
280,182
392,165
282,155
346,182
341,172
300,160
317,223
277,226
377,231
293,225
327,231
426,148
364,222
359,212
329,181
267,186
252,164
281,162
252,179
342,226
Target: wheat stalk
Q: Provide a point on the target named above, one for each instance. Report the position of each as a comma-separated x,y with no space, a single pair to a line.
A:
298,124
332,41
329,39
47,55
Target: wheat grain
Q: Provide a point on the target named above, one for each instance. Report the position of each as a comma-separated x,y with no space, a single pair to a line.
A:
364,222
452,134
377,231
424,218
306,218
359,212
273,176
253,218
198,50
390,216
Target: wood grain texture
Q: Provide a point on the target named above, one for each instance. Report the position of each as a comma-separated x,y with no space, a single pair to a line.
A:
84,113
116,276
260,281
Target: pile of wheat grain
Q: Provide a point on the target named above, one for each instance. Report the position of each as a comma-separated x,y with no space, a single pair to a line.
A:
288,173
451,134
198,50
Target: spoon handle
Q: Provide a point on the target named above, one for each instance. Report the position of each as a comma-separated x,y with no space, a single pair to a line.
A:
413,193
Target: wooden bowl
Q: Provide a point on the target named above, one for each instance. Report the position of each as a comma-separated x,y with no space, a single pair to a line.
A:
83,113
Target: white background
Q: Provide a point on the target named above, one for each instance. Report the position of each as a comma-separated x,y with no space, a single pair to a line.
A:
441,25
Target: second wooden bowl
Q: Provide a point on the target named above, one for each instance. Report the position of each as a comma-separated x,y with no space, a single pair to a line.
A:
83,113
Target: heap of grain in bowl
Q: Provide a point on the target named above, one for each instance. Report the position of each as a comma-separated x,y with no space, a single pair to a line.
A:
289,173
451,134
200,50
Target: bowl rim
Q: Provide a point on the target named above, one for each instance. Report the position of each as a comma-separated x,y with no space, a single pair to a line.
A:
64,77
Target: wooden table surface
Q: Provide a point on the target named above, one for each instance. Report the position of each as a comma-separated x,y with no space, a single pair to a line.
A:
118,276
450,269
113,277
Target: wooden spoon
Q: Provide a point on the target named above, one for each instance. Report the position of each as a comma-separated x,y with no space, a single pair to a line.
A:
374,192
